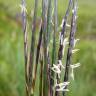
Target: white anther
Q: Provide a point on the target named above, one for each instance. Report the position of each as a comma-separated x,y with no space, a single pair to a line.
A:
75,50
56,69
23,8
75,65
75,41
72,69
62,23
60,64
61,86
65,42
68,25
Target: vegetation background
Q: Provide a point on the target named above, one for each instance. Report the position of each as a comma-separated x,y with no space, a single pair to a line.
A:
11,48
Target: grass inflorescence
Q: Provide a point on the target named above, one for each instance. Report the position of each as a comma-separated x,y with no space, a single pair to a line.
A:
46,55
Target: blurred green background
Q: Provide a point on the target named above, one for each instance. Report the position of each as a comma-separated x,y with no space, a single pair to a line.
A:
11,48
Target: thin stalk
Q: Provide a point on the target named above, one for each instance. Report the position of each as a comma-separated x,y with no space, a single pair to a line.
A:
25,42
37,57
32,50
63,32
49,18
62,37
41,78
71,42
54,45
44,26
49,76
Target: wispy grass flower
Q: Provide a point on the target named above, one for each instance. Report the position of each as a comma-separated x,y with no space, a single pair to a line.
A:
61,86
72,69
51,63
71,42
